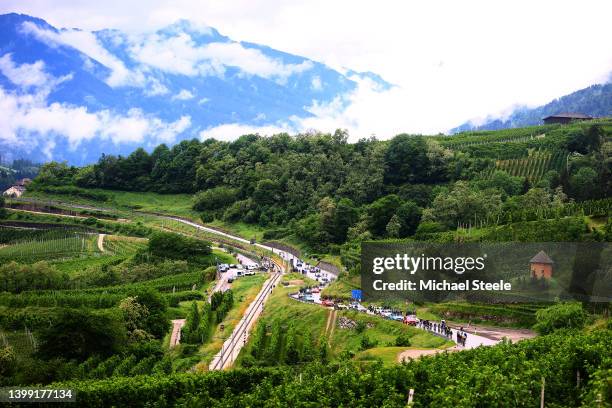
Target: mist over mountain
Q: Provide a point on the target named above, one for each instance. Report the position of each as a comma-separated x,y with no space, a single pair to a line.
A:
69,94
596,101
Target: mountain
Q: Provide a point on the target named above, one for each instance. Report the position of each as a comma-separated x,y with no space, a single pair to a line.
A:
596,101
70,94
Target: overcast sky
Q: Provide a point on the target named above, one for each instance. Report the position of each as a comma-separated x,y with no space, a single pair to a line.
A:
451,60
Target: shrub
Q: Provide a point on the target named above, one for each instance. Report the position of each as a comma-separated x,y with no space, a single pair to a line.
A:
403,340
560,316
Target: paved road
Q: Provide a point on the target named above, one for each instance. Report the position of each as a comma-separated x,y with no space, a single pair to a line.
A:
232,273
283,254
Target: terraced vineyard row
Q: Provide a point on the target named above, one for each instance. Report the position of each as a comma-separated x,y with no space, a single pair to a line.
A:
465,139
70,245
533,167
123,245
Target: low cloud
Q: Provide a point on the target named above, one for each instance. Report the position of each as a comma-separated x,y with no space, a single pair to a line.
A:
25,75
30,121
87,43
179,54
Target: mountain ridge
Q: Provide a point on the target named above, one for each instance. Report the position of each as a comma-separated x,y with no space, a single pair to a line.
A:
594,100
108,91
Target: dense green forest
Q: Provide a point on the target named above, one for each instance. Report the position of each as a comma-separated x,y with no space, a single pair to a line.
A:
326,191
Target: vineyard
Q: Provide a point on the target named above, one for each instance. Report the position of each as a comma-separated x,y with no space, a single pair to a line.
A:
55,244
534,166
465,139
123,245
573,364
175,288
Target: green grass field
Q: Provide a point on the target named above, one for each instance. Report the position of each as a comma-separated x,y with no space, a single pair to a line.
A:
176,204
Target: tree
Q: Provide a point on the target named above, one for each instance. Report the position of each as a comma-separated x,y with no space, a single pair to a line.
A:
503,182
380,213
267,192
157,322
463,205
346,216
55,174
584,184
406,160
176,246
214,198
3,212
586,141
133,313
535,198
409,216
393,227
8,361
78,334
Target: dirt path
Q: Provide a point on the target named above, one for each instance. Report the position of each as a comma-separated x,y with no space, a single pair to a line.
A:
333,325
47,213
416,353
101,242
330,315
175,337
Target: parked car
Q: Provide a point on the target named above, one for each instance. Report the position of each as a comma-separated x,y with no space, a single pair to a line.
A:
239,273
327,303
411,320
309,298
315,290
341,306
230,280
249,273
397,317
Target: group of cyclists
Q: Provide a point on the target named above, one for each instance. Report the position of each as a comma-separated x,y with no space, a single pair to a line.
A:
441,328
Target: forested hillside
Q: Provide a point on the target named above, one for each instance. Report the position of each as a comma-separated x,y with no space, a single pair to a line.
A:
324,191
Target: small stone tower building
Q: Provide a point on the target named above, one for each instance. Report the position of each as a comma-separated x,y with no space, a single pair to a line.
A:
541,266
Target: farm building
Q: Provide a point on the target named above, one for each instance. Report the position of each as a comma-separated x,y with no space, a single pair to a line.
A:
14,191
541,266
565,118
17,189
